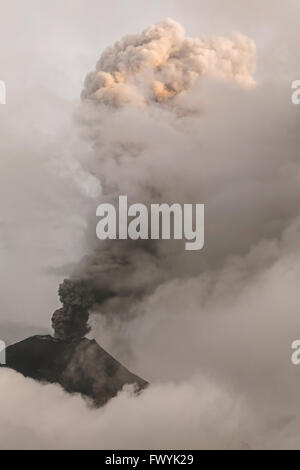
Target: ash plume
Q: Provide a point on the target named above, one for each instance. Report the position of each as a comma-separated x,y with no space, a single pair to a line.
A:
161,63
71,321
138,93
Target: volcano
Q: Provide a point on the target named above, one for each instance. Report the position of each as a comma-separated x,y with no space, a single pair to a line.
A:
79,365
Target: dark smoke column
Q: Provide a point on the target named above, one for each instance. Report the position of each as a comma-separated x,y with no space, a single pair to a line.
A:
71,321
78,364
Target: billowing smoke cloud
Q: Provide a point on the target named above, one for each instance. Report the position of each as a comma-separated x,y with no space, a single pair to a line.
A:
71,320
230,311
144,80
161,63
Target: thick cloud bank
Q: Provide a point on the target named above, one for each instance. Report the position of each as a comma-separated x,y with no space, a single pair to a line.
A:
189,415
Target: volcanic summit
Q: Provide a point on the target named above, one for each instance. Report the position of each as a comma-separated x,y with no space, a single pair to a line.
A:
68,358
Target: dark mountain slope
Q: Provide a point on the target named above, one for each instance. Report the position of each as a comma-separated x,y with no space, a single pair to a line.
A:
78,365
